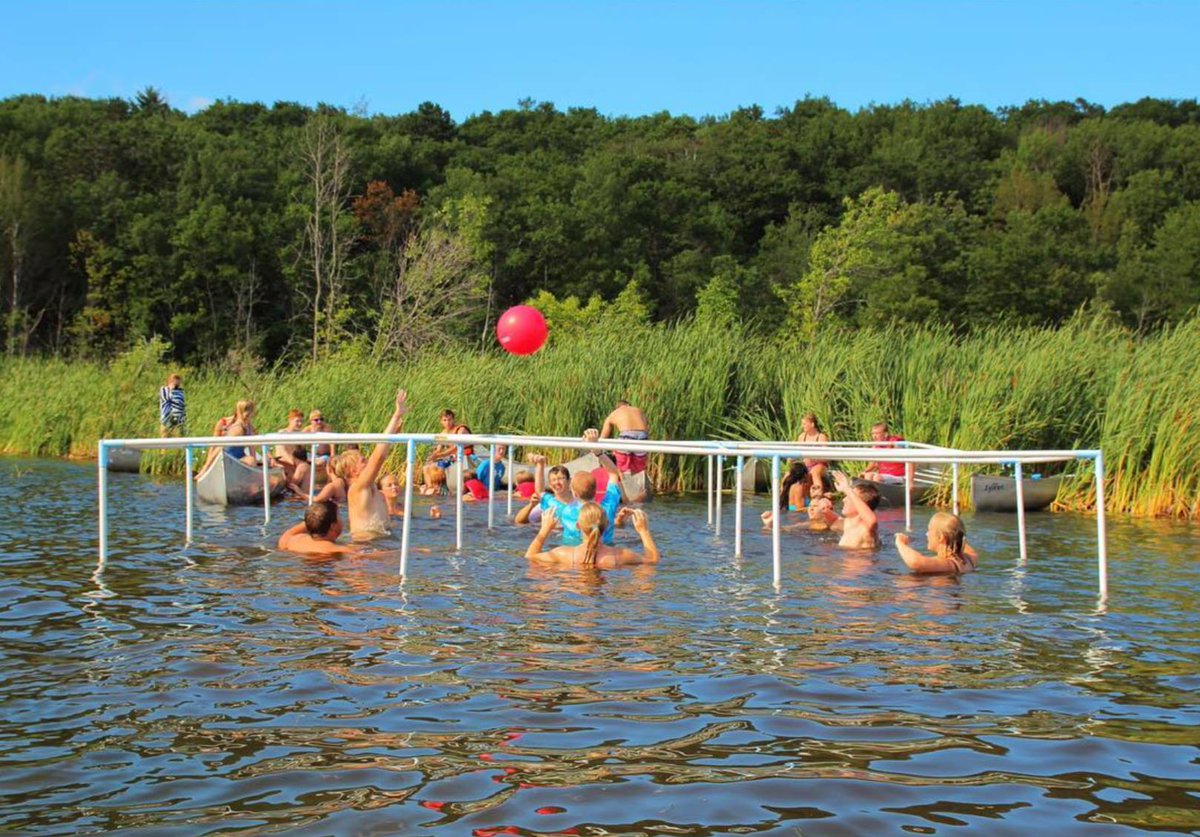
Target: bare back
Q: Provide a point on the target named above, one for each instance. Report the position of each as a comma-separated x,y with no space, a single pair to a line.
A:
623,418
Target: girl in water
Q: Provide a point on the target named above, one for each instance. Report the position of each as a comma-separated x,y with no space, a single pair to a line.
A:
593,553
947,538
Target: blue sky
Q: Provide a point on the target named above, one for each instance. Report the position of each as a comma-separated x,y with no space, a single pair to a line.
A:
619,57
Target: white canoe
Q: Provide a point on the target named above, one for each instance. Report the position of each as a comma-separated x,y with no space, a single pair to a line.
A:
231,482
756,477
125,460
636,485
999,494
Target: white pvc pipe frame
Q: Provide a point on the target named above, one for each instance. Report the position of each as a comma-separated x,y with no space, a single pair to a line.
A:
910,454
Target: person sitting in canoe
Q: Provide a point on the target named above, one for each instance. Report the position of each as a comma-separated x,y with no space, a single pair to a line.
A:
366,506
946,537
293,459
325,452
886,472
593,523
238,424
442,456
317,534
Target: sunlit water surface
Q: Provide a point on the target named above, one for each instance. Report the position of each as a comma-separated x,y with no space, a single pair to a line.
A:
227,687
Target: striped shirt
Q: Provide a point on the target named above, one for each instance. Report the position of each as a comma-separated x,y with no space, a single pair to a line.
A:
171,410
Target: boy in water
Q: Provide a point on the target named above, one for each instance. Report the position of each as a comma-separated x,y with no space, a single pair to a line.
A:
857,523
317,534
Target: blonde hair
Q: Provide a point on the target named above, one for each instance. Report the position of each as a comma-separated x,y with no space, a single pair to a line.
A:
949,528
813,418
342,461
437,477
592,523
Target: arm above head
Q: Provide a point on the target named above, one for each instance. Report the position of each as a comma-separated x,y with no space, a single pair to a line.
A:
374,465
866,515
534,552
539,473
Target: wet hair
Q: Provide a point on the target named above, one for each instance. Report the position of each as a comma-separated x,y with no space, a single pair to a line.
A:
320,517
584,485
868,493
341,462
949,527
592,522
797,472
560,469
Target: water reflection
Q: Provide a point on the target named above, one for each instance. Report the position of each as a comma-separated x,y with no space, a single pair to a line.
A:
228,685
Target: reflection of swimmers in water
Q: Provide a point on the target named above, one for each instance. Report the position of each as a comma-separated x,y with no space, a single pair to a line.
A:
947,538
592,553
317,534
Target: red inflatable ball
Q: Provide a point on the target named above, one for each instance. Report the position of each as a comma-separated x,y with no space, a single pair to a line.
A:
522,330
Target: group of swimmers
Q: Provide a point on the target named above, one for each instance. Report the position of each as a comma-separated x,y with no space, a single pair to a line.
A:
586,506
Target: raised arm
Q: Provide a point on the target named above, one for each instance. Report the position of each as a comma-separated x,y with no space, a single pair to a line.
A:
614,475
641,525
534,552
370,471
539,474
866,514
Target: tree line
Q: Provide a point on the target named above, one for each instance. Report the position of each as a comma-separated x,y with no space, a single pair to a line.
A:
284,232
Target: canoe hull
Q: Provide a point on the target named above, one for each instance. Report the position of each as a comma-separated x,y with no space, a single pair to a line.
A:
231,482
125,460
999,494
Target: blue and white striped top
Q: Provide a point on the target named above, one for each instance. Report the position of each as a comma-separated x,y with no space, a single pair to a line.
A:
171,410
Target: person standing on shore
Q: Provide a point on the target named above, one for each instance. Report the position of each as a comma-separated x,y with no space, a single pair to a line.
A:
172,411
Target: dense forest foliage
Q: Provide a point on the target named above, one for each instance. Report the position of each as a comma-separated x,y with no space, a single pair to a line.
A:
285,232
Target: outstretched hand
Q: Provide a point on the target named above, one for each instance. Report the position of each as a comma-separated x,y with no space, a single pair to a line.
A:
401,402
841,482
549,519
641,523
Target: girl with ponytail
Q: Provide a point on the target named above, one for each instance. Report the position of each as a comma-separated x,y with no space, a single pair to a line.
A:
947,538
592,552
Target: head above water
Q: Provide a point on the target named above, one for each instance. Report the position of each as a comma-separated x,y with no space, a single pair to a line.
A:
947,534
866,492
347,464
583,484
558,478
592,522
319,518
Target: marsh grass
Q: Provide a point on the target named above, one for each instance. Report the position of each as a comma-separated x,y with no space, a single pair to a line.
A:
1083,385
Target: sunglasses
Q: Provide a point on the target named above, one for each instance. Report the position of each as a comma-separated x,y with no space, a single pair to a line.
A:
317,420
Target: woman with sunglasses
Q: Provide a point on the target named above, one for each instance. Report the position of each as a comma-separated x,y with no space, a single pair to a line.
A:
316,424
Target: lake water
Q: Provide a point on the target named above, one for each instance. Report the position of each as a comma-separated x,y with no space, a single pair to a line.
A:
227,687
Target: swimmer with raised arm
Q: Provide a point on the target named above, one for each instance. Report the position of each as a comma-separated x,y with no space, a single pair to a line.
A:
947,538
317,534
367,507
592,523
858,524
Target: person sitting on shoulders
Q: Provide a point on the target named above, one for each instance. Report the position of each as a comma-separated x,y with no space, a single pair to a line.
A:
947,538
812,434
885,472
317,534
591,552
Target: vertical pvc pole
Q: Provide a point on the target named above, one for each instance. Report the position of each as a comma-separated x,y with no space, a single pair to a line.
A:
775,521
510,479
312,473
458,501
954,485
710,490
102,498
409,458
1020,483
189,492
1101,529
266,466
908,479
720,487
491,484
737,515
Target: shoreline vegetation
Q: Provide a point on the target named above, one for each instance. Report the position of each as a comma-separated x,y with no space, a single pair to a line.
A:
1089,383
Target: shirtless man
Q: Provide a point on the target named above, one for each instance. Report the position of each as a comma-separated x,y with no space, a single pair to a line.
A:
367,507
317,534
442,456
627,422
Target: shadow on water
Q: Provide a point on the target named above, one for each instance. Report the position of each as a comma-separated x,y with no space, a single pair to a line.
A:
224,686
